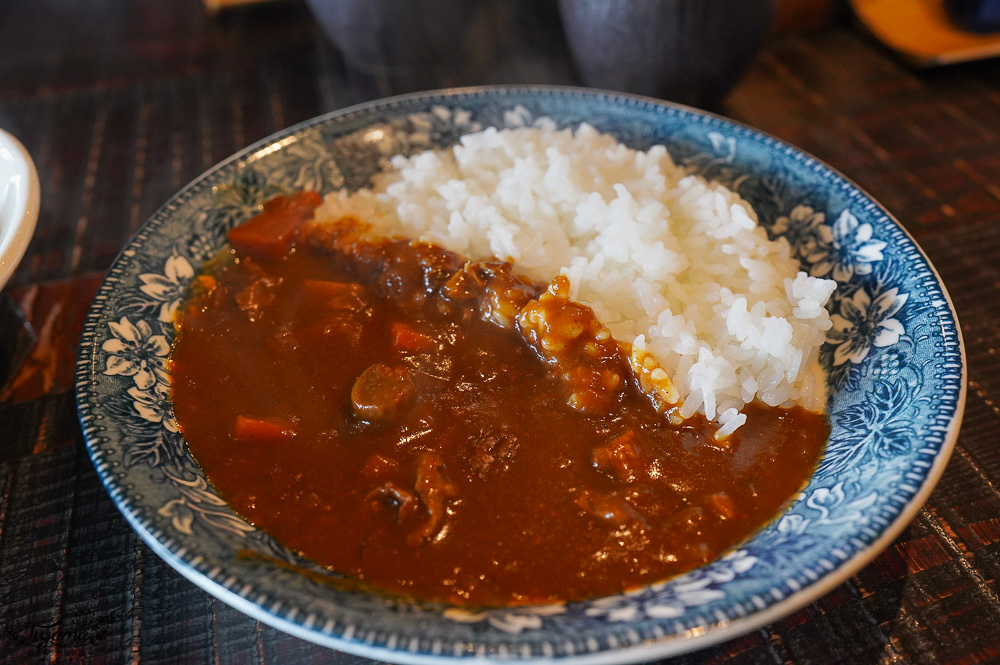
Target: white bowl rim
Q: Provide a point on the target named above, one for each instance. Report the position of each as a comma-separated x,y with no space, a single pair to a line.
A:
17,169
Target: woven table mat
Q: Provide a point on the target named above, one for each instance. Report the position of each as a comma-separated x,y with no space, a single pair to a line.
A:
121,106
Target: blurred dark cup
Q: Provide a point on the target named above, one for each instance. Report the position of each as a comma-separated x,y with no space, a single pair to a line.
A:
975,15
687,51
402,37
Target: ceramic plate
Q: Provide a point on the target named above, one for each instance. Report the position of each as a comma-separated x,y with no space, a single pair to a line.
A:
894,358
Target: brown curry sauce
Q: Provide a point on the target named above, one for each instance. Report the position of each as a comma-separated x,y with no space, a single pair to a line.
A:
390,411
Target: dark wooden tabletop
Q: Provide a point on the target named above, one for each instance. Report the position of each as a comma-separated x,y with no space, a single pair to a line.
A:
123,102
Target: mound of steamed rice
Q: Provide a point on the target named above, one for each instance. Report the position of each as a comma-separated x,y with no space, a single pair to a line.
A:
673,264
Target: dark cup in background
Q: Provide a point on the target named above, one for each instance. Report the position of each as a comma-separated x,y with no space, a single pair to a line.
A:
687,51
975,15
409,41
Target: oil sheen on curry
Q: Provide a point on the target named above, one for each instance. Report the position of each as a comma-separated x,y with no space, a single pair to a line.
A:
446,430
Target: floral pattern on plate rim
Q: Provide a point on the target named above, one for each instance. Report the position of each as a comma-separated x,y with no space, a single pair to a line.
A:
893,358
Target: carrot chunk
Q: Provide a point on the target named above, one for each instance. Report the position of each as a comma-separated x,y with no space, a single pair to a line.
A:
270,234
407,338
324,288
335,295
722,505
620,458
248,428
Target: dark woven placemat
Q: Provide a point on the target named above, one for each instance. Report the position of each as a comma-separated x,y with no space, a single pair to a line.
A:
123,103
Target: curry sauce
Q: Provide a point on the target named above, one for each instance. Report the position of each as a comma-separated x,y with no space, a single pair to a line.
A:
450,431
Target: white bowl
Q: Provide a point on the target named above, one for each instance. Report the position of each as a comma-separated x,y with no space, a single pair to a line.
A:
19,197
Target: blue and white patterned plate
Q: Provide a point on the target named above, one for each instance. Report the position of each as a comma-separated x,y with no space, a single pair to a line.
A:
894,357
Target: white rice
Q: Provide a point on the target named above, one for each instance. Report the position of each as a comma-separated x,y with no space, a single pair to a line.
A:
671,263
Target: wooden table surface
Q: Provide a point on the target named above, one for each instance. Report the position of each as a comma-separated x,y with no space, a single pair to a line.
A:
122,103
